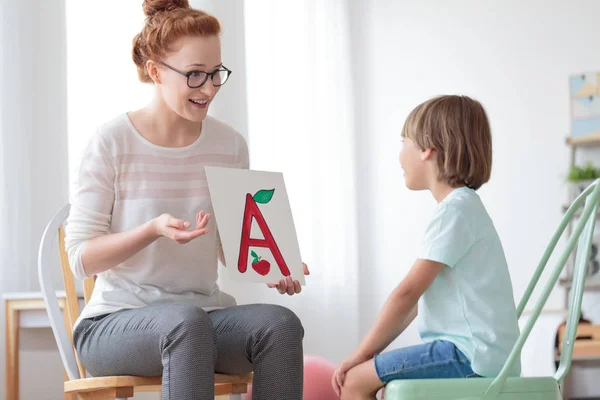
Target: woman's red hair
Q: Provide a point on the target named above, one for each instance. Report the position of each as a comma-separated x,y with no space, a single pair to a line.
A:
167,21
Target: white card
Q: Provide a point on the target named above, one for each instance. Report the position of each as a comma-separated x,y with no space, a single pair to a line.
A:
255,223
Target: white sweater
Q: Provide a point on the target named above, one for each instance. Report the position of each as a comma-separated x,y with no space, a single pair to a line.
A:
125,181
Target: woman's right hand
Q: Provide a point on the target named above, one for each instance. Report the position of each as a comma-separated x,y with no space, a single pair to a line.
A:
177,229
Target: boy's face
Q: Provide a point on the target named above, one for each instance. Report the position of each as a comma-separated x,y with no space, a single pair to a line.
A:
413,163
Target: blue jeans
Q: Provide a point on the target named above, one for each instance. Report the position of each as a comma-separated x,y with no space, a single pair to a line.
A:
438,359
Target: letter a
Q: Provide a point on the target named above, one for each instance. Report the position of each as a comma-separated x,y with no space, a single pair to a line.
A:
251,210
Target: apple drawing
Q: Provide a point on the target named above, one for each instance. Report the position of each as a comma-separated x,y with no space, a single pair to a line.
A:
262,267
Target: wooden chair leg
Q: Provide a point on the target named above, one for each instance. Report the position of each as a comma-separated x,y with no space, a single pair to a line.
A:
68,396
12,352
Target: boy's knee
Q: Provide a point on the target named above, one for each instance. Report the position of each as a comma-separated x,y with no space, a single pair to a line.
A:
354,387
350,389
351,393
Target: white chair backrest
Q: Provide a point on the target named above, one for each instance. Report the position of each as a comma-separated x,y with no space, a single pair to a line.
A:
46,252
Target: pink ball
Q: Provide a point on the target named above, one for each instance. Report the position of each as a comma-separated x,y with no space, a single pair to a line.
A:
317,380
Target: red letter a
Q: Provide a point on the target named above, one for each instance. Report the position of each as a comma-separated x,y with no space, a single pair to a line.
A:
251,210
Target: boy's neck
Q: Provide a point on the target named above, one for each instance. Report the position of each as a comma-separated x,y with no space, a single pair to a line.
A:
440,190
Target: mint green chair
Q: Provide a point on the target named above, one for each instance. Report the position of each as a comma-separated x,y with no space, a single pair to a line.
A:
512,388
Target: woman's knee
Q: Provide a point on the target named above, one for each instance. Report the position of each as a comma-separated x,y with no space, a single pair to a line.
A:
185,319
284,321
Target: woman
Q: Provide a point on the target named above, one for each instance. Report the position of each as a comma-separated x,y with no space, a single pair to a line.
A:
140,221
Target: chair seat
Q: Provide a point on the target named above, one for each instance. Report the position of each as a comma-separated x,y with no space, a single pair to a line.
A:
539,388
108,382
148,384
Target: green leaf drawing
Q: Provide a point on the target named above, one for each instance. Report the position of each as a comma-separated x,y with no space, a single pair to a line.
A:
263,196
255,257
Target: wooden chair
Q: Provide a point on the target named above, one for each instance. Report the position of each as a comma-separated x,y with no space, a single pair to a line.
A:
107,387
504,387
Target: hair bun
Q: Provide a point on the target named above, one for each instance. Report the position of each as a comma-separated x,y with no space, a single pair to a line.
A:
152,7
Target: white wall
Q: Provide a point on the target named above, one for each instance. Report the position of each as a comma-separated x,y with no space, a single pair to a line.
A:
513,56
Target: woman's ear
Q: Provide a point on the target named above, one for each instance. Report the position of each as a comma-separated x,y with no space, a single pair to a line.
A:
153,71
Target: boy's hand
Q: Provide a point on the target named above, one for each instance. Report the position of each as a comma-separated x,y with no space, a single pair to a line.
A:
287,285
337,381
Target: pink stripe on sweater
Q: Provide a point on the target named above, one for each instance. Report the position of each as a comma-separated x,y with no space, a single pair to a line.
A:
133,194
148,176
126,159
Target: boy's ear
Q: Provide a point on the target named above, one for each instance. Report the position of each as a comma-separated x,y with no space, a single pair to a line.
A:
427,154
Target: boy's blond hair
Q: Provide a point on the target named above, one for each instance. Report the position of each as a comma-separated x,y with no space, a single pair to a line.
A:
457,127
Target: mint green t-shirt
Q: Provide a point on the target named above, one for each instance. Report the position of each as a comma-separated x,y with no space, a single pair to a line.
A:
470,303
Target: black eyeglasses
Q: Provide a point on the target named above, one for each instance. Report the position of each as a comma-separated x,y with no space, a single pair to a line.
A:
196,79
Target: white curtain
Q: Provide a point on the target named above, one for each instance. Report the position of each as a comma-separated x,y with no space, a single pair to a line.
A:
33,146
99,91
33,156
300,122
16,132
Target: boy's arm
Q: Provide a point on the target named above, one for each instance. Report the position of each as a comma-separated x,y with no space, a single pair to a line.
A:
400,308
408,320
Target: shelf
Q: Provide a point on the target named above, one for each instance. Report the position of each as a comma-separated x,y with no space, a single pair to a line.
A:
585,141
580,358
591,284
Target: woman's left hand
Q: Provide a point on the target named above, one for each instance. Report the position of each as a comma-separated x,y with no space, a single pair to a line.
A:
289,286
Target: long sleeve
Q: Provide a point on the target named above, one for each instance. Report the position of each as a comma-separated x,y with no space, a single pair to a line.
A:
91,204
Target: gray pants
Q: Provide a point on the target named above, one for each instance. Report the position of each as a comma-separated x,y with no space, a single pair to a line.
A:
186,346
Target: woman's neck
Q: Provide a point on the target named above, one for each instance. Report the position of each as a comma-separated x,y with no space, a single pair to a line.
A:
163,127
